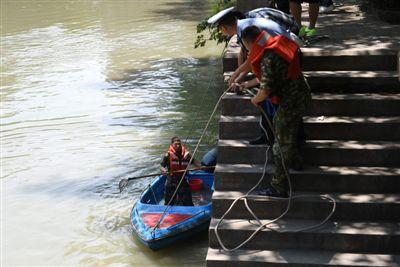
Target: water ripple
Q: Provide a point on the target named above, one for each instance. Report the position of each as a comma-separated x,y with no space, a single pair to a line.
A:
92,92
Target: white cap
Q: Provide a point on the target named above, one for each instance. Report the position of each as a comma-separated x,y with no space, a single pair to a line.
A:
217,17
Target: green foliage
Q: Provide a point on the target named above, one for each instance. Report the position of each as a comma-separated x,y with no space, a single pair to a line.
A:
213,32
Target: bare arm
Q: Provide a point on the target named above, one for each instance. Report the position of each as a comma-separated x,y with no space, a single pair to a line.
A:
245,67
249,84
164,164
261,95
242,55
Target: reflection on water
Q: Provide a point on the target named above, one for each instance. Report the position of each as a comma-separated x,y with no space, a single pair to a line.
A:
92,91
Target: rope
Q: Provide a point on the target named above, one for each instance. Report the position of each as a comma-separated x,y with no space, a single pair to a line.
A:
197,112
191,158
288,206
197,146
202,99
247,195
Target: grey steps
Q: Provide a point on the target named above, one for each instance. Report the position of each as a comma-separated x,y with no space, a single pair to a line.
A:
340,236
329,128
350,206
332,61
240,152
313,178
229,58
318,152
363,176
325,104
237,105
355,105
387,60
353,81
297,258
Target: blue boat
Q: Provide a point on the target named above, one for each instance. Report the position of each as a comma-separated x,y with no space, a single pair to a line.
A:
178,222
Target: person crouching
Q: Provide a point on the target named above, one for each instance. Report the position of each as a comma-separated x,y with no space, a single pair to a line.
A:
275,62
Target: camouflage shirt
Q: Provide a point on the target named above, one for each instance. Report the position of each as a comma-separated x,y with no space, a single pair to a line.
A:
292,93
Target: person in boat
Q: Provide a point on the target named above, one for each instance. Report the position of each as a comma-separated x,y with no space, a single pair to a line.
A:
275,62
210,159
175,159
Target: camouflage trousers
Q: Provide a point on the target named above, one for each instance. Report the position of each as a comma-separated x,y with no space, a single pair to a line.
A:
286,125
183,197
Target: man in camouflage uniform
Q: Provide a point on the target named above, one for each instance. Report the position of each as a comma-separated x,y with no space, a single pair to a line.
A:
275,62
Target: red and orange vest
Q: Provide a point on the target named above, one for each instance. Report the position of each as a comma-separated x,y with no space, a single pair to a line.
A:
176,163
282,46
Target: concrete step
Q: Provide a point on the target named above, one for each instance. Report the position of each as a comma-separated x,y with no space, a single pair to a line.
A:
318,152
313,178
342,60
237,105
230,55
297,258
322,128
328,60
341,236
325,104
355,105
354,81
350,206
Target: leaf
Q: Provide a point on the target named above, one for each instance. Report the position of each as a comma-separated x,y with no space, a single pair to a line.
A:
214,34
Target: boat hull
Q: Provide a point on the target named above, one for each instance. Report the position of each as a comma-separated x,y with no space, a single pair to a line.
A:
157,226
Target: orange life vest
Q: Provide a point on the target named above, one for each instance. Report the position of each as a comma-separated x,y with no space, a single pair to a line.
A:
176,164
284,47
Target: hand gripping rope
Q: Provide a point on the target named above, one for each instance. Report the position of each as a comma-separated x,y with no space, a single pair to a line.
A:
197,145
248,195
191,159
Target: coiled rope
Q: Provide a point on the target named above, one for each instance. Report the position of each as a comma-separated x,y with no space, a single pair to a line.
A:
197,145
248,195
288,206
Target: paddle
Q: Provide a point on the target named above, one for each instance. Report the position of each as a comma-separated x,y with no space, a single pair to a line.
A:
123,183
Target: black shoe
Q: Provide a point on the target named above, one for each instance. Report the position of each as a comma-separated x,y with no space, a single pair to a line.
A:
261,140
272,192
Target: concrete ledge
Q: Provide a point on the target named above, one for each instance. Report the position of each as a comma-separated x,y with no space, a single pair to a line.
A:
348,52
297,258
312,178
322,59
320,128
341,236
318,152
353,81
324,104
349,206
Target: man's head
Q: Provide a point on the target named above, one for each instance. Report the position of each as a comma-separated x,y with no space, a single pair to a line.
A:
226,21
228,25
249,36
176,143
